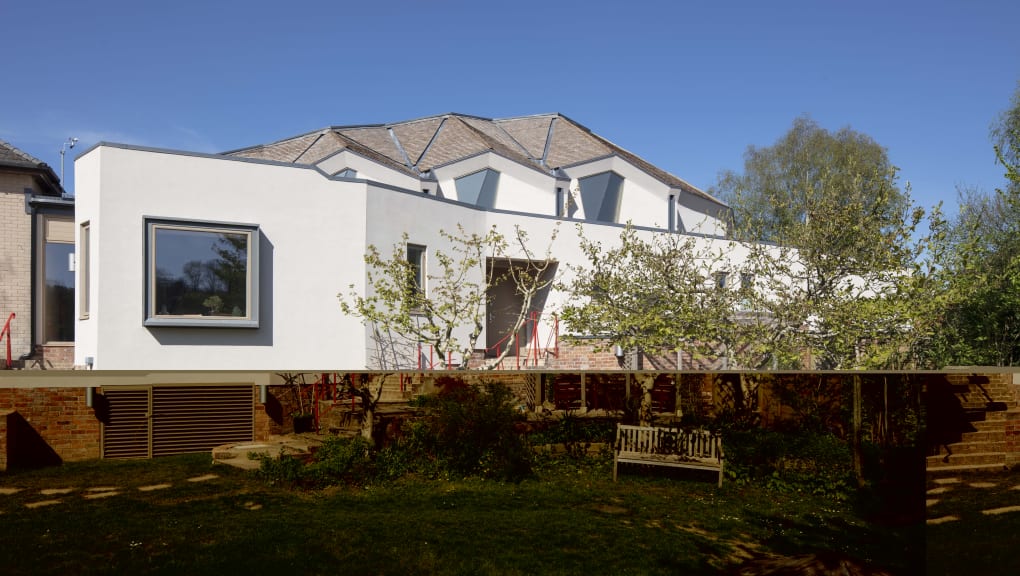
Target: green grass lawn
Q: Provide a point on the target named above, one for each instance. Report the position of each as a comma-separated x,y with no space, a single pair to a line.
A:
570,519
974,542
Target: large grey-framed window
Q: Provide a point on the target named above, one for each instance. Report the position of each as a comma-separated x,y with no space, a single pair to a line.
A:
478,188
55,280
600,196
201,274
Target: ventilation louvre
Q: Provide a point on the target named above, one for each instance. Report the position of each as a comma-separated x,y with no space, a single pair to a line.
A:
166,420
198,418
126,430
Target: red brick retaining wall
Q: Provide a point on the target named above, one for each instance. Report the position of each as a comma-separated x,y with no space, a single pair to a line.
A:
46,426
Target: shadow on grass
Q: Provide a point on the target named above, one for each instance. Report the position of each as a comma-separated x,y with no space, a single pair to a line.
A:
899,550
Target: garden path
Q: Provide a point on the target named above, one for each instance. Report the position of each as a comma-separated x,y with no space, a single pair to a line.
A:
49,496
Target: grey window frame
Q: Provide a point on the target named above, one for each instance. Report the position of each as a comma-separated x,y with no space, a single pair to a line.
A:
84,265
254,233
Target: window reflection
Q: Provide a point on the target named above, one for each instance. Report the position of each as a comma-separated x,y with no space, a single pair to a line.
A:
201,273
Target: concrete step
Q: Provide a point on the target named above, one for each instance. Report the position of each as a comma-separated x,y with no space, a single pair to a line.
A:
977,458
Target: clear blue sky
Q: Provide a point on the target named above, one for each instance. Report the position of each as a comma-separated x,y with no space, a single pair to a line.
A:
687,85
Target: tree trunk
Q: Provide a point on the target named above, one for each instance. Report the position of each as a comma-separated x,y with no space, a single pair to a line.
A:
858,456
645,416
367,420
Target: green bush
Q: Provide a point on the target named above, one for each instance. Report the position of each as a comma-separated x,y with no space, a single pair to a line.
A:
337,461
816,463
469,430
340,461
281,470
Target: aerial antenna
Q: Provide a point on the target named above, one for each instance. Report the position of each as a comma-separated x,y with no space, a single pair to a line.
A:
64,146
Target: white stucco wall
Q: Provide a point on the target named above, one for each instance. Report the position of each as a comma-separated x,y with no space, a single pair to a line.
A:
313,233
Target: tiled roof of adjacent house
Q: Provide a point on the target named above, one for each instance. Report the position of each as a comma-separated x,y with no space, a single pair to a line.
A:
12,157
544,142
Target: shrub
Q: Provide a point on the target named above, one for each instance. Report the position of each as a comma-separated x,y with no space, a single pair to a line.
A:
337,461
466,430
469,430
340,461
817,463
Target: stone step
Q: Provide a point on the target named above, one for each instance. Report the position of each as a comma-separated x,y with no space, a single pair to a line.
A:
995,424
977,458
993,435
953,468
975,447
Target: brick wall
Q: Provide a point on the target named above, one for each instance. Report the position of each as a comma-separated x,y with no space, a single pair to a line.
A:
1013,438
47,426
58,357
15,262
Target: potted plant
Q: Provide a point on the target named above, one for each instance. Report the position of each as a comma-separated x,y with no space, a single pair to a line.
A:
302,415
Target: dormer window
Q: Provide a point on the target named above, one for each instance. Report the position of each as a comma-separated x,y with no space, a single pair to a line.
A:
478,188
347,173
600,196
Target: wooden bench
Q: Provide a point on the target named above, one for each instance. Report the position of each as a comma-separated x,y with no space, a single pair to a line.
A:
698,449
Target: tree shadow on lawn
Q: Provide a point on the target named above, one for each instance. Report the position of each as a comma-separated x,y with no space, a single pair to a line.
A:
898,550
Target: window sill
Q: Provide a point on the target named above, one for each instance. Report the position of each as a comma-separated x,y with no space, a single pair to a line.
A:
199,322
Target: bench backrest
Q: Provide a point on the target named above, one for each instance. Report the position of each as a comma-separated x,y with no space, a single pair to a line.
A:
697,443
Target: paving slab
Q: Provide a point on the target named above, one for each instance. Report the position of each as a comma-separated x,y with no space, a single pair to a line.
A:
243,454
1003,510
41,503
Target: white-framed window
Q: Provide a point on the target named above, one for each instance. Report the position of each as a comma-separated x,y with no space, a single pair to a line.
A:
83,261
201,274
55,319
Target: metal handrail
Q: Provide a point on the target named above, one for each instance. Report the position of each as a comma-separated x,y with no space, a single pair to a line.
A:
7,332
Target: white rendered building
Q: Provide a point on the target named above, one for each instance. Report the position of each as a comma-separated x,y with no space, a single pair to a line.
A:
234,261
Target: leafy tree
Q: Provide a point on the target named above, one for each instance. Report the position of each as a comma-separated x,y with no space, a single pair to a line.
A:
450,314
982,263
841,272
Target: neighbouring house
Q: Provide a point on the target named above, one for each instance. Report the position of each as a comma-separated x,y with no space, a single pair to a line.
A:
37,260
235,260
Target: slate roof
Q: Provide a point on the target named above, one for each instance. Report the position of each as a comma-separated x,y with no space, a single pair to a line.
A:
11,157
545,142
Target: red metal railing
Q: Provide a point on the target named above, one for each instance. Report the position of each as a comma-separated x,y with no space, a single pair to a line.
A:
533,349
532,353
7,332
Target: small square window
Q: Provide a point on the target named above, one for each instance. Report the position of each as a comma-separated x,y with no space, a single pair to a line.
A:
746,281
201,274
416,262
721,280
